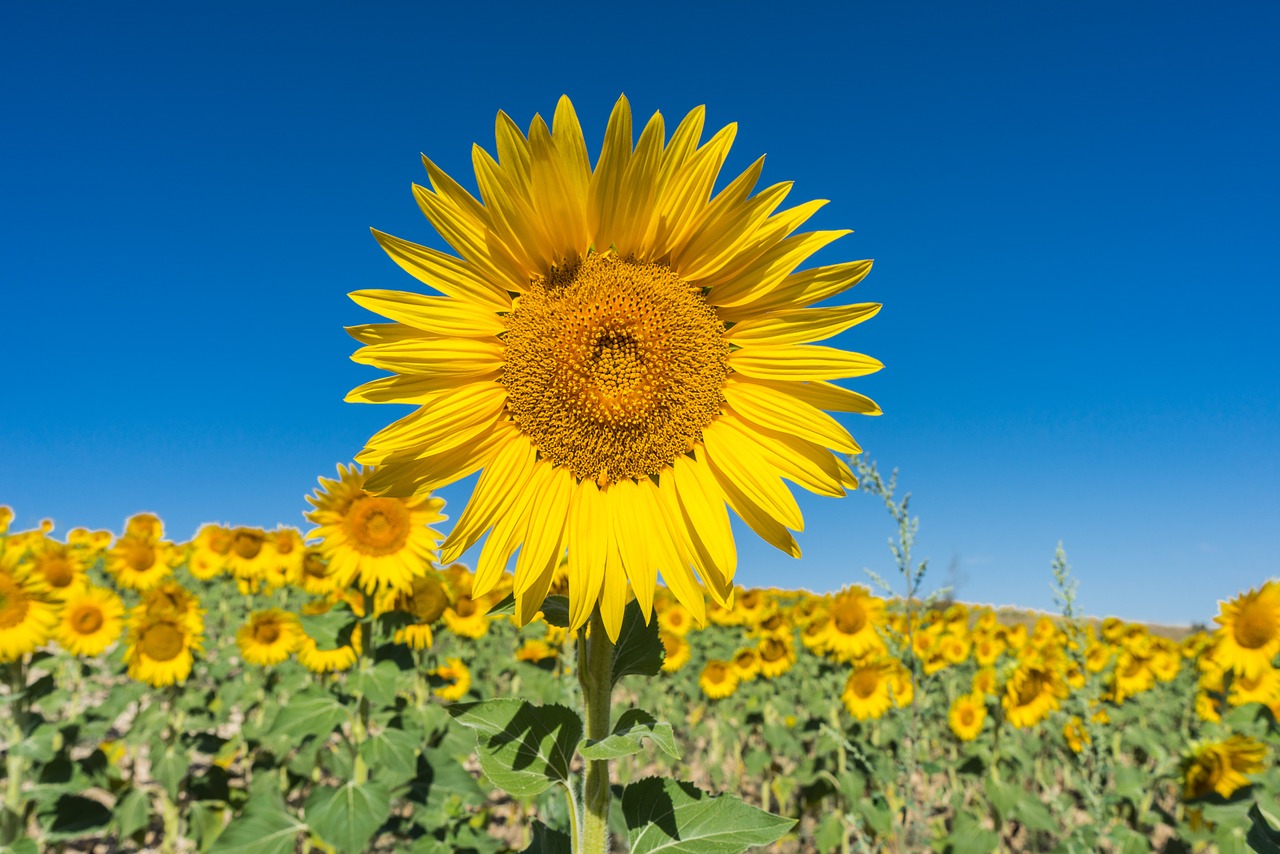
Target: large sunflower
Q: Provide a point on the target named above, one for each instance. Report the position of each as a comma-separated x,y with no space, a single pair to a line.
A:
621,354
1249,637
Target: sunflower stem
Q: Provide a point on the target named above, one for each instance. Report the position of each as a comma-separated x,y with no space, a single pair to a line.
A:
596,677
15,808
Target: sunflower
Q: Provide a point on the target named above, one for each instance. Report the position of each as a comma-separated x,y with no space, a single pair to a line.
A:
851,630
1249,637
987,648
777,655
247,560
171,599
719,679
6,518
55,569
426,601
269,637
772,624
1076,735
26,617
967,715
677,651
1033,690
867,692
747,663
161,649
1263,688
1132,676
619,354
138,562
380,543
1221,766
456,679
466,617
536,651
675,619
284,554
92,619
211,546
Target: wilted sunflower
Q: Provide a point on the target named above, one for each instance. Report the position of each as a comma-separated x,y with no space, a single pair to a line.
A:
621,354
380,543
1220,766
269,637
1250,635
967,715
92,619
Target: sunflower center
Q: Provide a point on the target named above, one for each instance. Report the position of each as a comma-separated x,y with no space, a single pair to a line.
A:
87,619
1030,689
614,367
464,607
849,616
162,641
1255,626
865,682
428,600
57,571
266,632
717,673
247,544
377,526
140,556
966,716
13,603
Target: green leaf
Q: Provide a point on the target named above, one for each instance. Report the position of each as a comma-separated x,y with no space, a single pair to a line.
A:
968,836
348,816
633,726
313,712
555,610
523,748
331,629
392,756
378,682
169,768
74,816
1264,838
268,830
1003,797
25,845
639,651
1131,783
830,832
505,605
132,812
675,817
547,840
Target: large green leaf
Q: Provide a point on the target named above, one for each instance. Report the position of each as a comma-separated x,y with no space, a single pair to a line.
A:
347,816
547,840
1264,837
132,812
73,816
268,830
523,748
378,682
675,817
639,650
313,712
634,725
392,756
968,836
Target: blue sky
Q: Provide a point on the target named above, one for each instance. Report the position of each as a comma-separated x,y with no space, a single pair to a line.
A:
1070,208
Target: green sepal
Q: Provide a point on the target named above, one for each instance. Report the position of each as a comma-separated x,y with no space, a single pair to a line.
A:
638,650
523,748
677,818
633,726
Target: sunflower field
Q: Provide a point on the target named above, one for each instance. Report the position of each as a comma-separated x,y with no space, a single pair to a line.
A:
248,691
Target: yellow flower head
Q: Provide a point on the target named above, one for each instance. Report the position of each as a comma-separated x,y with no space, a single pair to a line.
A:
777,655
718,680
620,354
378,543
26,617
139,563
331,659
269,637
868,691
854,615
1076,735
677,649
1032,692
1221,766
57,570
747,663
161,649
967,715
456,679
1249,637
92,619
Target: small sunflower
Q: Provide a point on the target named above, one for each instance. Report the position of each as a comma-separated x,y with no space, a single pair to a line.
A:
376,542
535,651
466,617
747,663
675,618
718,679
247,559
677,649
1263,688
986,682
269,637
161,649
138,562
1220,767
967,715
426,602
777,655
284,554
1076,735
867,692
456,677
56,569
26,617
92,619
620,354
854,617
211,548
1032,692
1249,637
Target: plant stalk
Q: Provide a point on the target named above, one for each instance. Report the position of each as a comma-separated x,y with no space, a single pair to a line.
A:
596,677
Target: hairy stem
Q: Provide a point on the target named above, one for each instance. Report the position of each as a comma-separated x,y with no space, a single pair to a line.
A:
596,676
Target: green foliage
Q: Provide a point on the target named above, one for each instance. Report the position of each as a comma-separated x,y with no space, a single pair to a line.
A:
523,748
627,738
675,817
639,651
348,815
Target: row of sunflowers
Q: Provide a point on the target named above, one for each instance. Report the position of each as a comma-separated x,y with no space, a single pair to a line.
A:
800,701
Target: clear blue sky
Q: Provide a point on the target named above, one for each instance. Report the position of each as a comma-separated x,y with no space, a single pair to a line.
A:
1073,212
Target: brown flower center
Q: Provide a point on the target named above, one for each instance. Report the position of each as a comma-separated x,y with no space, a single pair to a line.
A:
162,641
614,367
377,526
87,619
1255,625
865,681
247,543
266,632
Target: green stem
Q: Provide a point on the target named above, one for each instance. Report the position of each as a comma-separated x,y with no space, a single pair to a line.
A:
596,677
15,807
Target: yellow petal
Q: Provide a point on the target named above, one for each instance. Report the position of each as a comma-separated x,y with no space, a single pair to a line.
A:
613,595
495,490
779,411
515,223
678,549
823,395
530,601
688,190
634,209
464,223
545,526
726,239
438,315
508,531
606,192
736,456
757,518
801,362
446,274
407,474
410,388
633,529
513,153
765,239
771,268
557,199
800,289
802,462
588,545
800,326
702,505
451,420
